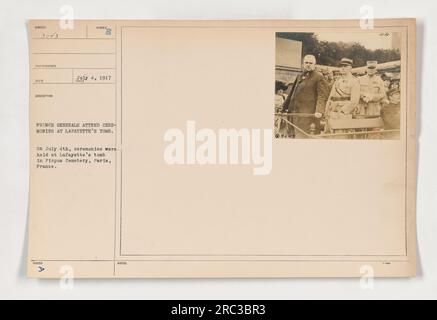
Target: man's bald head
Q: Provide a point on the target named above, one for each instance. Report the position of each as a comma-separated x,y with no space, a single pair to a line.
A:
309,62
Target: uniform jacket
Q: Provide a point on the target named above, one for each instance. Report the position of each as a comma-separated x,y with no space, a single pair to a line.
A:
374,89
347,88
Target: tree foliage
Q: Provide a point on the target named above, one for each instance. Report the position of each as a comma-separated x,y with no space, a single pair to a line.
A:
330,53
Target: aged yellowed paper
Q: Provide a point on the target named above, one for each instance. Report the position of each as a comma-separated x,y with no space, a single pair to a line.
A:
250,148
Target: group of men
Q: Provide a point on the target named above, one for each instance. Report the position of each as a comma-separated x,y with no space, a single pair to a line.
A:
311,98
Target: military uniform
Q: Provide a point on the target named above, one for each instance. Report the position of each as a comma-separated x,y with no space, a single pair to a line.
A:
344,97
372,93
308,95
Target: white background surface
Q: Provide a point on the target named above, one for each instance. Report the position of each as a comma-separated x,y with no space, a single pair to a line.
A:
14,151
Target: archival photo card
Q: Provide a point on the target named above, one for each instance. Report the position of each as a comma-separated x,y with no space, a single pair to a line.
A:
222,148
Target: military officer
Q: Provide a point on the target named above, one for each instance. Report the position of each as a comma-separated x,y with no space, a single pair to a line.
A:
307,97
372,92
344,98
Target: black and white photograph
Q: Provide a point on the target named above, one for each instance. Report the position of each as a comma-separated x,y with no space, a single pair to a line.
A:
337,85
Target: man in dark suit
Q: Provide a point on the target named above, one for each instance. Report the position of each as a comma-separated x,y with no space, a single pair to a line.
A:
307,97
